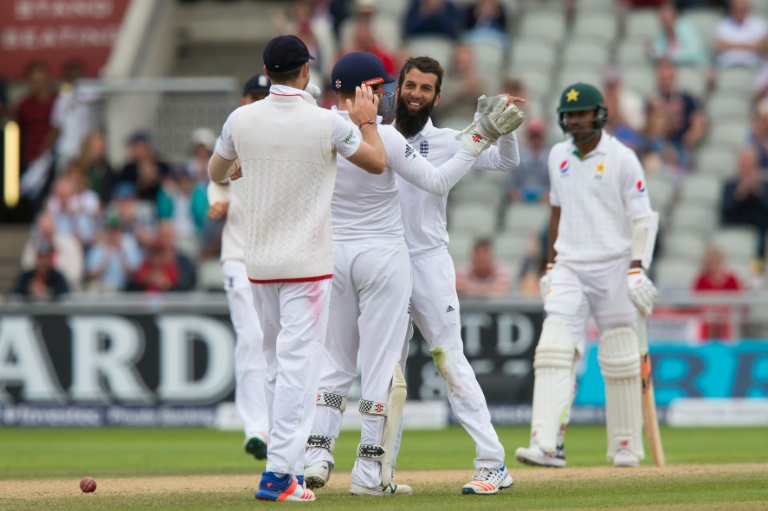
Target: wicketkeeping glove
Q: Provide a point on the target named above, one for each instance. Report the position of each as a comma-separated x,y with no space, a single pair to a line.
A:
496,119
642,292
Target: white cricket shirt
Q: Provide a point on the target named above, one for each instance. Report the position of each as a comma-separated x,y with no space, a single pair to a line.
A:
424,217
287,148
366,206
599,196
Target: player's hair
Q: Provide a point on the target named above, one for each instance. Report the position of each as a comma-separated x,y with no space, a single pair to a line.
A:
286,76
483,243
425,65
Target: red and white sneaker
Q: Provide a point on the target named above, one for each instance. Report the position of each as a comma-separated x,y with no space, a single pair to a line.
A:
488,481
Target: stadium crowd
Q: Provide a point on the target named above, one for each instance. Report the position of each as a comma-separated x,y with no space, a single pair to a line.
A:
142,225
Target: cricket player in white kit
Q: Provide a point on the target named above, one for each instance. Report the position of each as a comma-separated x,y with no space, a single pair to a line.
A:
287,150
372,287
250,365
601,237
434,304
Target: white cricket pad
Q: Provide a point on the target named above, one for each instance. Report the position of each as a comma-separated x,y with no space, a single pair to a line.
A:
619,357
553,386
332,400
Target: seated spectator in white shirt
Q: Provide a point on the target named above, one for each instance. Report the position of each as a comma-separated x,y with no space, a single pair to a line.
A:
67,251
740,38
678,40
483,278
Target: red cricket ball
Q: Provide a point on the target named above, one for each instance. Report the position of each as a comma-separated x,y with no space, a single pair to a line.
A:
88,484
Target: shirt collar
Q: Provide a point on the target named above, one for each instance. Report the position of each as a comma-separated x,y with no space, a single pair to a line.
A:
285,90
601,148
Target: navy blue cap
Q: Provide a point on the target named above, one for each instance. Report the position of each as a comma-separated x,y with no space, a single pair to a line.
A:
356,68
285,53
257,84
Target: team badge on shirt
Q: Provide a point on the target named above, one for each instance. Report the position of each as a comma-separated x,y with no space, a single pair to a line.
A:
424,148
599,171
640,186
564,168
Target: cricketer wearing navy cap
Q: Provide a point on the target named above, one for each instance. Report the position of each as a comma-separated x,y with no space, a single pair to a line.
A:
359,67
256,88
285,53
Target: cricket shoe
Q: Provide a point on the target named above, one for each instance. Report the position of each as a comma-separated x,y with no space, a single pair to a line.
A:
488,481
381,491
256,446
625,458
285,488
317,474
533,455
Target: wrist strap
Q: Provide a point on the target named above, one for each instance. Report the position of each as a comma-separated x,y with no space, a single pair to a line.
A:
366,122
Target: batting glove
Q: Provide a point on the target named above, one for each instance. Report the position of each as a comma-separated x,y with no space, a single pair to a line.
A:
546,282
495,119
642,292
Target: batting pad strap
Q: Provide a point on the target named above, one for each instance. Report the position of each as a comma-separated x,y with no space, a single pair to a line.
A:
370,452
323,442
373,407
332,400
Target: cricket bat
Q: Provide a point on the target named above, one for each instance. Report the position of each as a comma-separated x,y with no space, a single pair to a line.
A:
650,420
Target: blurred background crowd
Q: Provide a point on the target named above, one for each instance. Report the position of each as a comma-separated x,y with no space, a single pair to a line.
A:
685,82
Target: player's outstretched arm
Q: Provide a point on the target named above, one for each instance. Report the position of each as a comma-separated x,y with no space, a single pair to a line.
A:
370,155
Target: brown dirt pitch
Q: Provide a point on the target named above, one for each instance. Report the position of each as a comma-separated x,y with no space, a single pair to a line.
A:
233,483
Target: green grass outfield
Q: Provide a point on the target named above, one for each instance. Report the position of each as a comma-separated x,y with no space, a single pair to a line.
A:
53,460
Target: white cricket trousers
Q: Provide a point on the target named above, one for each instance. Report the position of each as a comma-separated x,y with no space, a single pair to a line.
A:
369,317
578,289
250,365
294,318
435,310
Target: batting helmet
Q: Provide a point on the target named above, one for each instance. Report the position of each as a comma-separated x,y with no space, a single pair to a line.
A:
578,98
357,68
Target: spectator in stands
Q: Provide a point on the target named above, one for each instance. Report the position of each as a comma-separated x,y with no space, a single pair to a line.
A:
74,207
657,154
315,32
745,198
67,251
34,114
433,18
73,115
93,164
365,40
758,135
136,217
196,166
626,109
159,272
530,181
187,277
687,122
144,170
515,87
483,278
43,282
183,201
486,19
113,258
714,275
677,40
461,87
740,38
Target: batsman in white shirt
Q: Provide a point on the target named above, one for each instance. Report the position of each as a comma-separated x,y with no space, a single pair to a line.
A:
287,149
250,365
372,283
434,304
601,237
